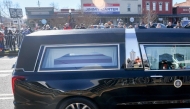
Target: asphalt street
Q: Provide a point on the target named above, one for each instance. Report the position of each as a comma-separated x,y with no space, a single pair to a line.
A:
6,95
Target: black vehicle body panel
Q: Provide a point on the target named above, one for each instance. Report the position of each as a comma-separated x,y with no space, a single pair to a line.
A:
104,87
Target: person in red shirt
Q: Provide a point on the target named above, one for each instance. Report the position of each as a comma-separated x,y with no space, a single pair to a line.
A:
67,27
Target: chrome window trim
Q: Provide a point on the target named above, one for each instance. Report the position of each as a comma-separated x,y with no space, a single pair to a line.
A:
140,44
63,45
167,70
131,34
22,69
37,57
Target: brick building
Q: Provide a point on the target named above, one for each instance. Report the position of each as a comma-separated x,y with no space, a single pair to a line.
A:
182,11
163,8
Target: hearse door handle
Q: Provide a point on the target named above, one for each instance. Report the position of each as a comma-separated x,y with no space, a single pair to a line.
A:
156,76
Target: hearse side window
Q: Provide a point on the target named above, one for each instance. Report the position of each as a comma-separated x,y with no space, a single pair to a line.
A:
166,57
91,57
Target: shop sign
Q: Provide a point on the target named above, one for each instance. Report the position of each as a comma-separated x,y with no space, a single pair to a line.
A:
108,9
187,10
183,10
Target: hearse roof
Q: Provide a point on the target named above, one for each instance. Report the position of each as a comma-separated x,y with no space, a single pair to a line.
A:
32,43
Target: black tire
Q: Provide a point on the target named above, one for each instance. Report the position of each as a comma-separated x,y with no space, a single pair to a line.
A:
81,102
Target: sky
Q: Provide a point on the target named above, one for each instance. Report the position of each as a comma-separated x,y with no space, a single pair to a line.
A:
61,3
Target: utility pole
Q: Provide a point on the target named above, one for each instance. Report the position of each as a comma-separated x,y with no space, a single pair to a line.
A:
38,3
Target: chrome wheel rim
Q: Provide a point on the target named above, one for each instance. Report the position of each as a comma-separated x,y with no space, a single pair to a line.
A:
77,106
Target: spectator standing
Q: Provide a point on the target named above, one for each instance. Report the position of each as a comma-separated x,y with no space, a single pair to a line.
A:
136,26
82,26
151,25
1,41
6,36
55,28
76,27
67,27
124,26
178,25
147,26
169,25
6,31
48,27
11,40
106,25
112,26
158,25
120,25
130,26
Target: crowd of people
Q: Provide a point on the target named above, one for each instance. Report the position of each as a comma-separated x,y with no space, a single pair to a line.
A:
140,25
8,36
109,24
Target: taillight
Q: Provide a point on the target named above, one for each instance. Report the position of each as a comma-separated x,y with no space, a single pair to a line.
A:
14,79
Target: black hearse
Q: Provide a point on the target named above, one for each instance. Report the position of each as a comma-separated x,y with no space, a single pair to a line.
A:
96,69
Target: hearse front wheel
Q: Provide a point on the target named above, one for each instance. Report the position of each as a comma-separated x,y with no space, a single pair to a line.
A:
78,103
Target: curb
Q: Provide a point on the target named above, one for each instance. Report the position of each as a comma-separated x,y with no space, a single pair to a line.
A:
9,54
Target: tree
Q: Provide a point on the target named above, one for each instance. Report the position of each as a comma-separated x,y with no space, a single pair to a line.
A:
54,5
58,22
5,5
149,16
85,18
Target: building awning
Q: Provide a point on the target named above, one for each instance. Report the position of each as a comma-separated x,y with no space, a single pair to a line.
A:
175,15
140,15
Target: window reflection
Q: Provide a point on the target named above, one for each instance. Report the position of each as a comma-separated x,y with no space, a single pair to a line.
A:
133,58
166,57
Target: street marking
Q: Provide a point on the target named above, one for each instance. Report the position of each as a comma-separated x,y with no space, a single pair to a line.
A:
4,75
6,71
4,95
6,98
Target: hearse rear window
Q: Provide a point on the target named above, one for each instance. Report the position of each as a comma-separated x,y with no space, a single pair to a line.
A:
81,57
166,57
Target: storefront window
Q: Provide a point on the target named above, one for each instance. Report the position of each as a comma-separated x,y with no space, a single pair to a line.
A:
166,57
